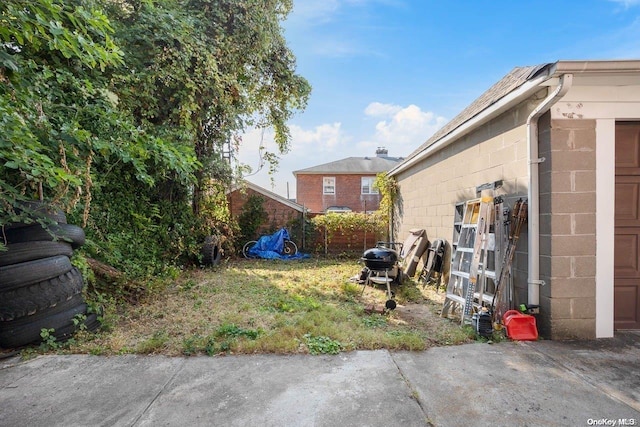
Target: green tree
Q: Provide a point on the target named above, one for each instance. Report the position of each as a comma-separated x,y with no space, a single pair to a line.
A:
58,118
51,56
136,106
204,71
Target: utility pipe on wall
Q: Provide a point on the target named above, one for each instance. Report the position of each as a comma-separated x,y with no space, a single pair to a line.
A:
533,281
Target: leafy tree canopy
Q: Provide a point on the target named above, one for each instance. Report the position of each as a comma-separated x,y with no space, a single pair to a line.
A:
205,70
102,98
58,115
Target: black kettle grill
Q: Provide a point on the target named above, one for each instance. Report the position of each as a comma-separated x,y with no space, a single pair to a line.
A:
382,265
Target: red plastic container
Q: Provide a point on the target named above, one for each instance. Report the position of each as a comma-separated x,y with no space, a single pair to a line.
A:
520,327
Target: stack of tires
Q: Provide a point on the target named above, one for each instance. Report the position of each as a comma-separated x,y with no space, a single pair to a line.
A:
39,288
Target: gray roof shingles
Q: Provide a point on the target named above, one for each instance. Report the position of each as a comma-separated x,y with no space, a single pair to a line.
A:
514,79
354,165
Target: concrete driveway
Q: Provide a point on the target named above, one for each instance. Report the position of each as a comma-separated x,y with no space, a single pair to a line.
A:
540,383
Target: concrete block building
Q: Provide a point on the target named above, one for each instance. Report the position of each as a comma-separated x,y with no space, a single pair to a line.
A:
566,137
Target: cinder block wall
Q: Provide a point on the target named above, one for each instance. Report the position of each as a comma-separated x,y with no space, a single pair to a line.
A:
430,190
568,227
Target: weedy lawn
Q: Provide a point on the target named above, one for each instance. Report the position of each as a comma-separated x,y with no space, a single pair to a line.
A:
267,306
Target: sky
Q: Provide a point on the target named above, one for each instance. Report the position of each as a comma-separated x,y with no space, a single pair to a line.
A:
389,73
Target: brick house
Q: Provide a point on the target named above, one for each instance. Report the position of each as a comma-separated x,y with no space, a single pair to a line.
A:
280,210
343,185
566,137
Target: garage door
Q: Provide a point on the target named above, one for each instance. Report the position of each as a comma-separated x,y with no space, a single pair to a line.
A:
627,227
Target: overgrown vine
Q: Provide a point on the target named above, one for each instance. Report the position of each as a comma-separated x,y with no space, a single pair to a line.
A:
135,107
388,188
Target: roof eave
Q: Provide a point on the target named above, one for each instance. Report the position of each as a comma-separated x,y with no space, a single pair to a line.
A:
549,77
513,98
596,67
270,194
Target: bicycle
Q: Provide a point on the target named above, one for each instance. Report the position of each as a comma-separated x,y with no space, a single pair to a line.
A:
289,247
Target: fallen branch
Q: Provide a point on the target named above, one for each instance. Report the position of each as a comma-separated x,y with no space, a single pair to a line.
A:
104,271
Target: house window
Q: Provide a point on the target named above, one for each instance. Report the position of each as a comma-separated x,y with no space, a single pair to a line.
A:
329,185
367,186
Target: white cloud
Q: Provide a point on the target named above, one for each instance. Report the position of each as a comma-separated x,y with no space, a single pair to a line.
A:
400,129
404,128
306,144
325,137
378,109
254,141
309,147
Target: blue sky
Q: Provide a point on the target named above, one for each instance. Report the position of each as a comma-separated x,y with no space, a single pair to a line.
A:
389,73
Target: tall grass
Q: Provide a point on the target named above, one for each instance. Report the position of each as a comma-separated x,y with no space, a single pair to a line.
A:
259,306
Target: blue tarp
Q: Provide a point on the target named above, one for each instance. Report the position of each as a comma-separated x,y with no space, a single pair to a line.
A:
272,247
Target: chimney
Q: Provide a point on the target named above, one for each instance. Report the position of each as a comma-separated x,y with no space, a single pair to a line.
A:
382,152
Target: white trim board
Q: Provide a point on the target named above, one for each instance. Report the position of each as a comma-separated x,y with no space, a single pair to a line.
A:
605,231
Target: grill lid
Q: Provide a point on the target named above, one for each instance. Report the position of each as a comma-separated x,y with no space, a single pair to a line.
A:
379,258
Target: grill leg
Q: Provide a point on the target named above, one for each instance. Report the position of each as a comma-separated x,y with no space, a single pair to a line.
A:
386,279
390,304
366,282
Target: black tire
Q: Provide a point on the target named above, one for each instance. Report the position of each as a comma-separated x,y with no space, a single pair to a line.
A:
289,248
38,211
211,251
17,334
65,232
26,301
92,323
29,251
247,246
58,308
27,273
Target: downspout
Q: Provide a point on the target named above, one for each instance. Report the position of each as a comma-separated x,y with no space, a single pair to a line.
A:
533,281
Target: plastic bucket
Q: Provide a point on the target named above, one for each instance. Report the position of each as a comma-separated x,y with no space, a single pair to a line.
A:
521,327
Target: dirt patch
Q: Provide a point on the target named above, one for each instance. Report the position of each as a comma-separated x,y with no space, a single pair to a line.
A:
410,313
415,312
424,306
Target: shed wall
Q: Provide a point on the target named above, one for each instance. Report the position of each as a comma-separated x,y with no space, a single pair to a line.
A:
494,152
577,186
